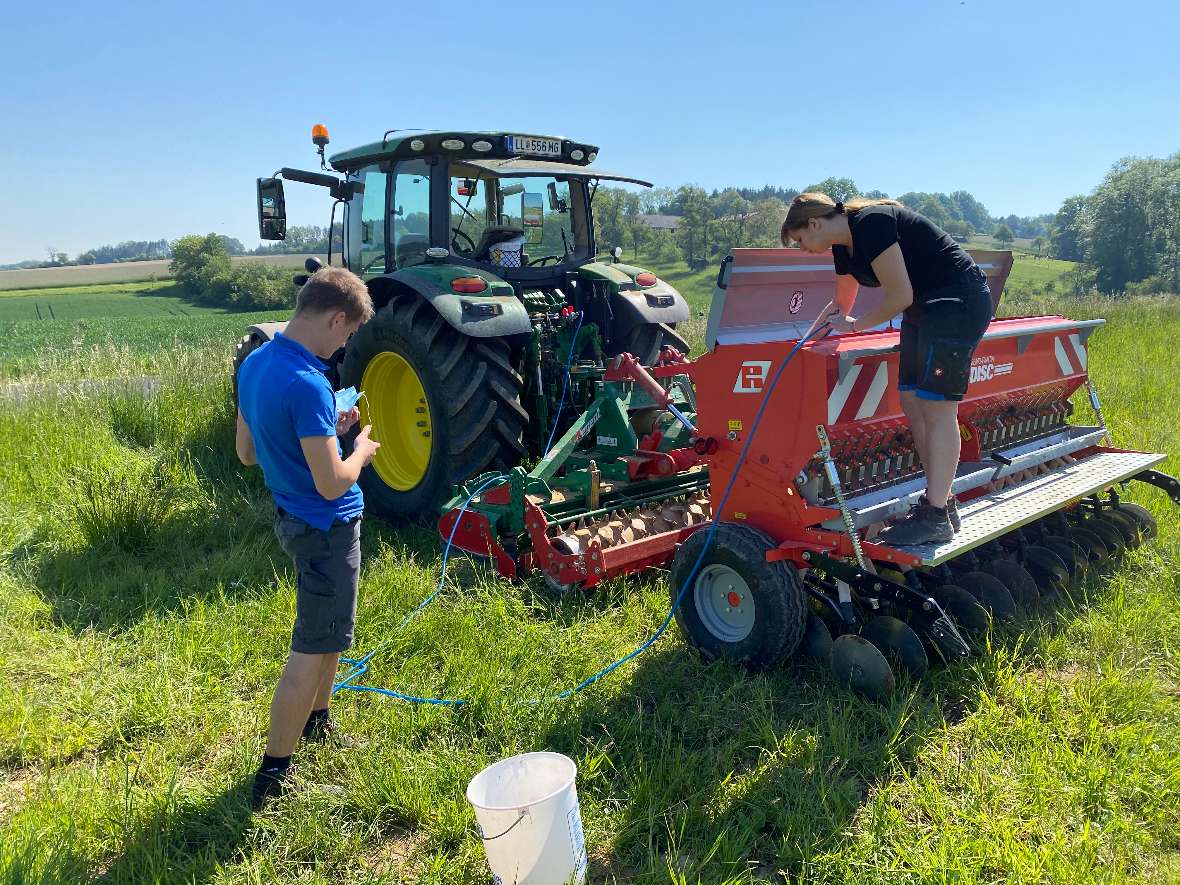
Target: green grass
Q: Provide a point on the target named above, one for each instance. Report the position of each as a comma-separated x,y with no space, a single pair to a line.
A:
104,331
145,611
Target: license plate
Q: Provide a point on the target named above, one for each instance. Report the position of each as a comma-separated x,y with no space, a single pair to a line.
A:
537,147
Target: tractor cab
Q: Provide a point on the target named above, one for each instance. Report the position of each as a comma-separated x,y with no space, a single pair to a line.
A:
514,204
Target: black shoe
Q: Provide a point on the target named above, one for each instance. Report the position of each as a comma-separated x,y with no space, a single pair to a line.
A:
952,511
268,784
326,731
924,524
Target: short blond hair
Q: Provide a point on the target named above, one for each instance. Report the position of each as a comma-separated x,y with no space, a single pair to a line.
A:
333,288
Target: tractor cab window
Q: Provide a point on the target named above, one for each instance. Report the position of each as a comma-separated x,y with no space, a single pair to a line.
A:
409,214
372,229
470,212
514,222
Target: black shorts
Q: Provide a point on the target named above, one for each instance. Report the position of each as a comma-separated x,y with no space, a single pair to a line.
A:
939,336
328,564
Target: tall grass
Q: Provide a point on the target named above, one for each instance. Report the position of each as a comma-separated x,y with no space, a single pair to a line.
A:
145,611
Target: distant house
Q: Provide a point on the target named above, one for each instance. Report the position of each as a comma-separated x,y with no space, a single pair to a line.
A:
660,222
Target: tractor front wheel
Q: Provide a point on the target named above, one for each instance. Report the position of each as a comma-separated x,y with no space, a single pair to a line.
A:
445,407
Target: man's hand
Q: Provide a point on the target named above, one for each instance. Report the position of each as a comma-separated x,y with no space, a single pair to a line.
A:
363,446
346,420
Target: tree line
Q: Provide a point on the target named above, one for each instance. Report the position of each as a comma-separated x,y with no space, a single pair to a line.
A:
708,225
1127,230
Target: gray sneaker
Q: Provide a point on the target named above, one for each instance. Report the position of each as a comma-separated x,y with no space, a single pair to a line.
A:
952,511
924,524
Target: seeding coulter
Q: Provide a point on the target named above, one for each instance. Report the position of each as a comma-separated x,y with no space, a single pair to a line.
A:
763,486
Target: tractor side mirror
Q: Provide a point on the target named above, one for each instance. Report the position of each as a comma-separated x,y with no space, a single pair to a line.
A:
556,203
532,217
272,209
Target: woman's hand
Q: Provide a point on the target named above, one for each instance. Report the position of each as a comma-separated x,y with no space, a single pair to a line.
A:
841,322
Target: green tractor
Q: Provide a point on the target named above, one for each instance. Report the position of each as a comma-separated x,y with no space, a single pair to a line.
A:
479,251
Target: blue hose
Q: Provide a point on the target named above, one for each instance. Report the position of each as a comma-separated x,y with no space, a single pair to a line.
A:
361,665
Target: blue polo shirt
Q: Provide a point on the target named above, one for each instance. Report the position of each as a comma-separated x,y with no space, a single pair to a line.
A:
284,397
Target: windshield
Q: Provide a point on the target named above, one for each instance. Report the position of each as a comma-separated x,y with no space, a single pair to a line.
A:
532,215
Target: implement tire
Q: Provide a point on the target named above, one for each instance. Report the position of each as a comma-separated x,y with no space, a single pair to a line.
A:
445,407
739,607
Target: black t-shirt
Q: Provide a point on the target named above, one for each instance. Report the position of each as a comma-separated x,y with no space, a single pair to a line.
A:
932,259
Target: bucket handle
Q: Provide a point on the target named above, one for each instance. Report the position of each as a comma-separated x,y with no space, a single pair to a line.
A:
524,812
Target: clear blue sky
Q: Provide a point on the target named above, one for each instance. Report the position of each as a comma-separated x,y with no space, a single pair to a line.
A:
146,120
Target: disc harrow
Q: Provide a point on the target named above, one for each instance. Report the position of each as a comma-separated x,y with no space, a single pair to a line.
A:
761,473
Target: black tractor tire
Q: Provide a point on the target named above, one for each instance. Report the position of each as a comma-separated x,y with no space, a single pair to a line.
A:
246,346
645,341
780,606
472,391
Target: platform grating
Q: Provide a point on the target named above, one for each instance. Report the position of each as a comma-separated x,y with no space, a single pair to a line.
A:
987,517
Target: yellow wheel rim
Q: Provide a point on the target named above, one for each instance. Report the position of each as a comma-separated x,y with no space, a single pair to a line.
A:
395,404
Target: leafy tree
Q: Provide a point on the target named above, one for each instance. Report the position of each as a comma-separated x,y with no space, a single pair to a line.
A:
934,210
1066,234
1118,225
694,227
198,263
836,188
232,246
1003,233
971,210
1038,245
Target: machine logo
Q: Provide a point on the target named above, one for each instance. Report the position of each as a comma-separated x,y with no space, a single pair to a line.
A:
985,368
751,376
796,304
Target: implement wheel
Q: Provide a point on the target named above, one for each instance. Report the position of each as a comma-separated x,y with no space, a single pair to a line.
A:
444,407
738,606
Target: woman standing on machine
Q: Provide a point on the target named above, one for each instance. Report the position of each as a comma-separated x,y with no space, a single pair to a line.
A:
946,307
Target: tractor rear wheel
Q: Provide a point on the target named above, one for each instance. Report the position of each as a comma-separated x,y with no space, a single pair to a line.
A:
445,407
738,606
246,346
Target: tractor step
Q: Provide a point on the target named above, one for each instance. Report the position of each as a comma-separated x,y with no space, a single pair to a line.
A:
989,516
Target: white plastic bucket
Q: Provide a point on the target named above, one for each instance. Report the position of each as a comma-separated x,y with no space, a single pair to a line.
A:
528,814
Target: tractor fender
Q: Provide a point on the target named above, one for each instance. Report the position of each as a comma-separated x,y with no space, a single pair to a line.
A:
494,313
635,307
266,331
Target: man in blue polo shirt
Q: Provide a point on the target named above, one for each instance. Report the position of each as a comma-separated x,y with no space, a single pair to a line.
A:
289,425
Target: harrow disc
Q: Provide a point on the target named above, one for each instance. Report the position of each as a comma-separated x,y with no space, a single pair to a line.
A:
901,646
1110,534
1096,549
970,617
817,639
1047,570
1074,557
1147,524
1019,582
1132,537
857,664
991,593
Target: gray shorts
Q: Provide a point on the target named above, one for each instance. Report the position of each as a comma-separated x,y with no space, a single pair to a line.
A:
328,564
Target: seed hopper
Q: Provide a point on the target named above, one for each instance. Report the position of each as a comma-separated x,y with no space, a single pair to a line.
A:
761,472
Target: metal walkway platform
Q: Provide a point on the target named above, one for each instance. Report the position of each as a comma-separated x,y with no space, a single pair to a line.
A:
987,517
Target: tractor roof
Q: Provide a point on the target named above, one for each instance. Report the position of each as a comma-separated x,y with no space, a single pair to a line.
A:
470,146
520,168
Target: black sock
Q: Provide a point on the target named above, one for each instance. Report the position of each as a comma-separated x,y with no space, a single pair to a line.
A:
275,766
317,720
